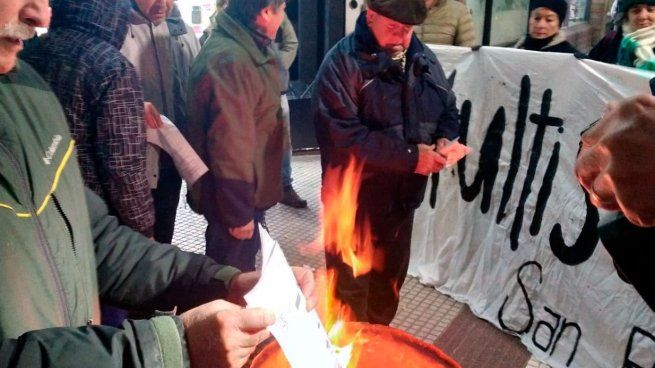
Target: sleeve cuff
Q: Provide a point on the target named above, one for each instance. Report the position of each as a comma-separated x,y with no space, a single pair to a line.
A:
186,360
225,274
412,156
170,341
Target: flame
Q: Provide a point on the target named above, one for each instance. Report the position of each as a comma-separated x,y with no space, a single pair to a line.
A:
342,235
350,239
348,355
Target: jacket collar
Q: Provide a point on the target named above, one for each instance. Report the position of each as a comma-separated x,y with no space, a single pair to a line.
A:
176,26
560,37
232,28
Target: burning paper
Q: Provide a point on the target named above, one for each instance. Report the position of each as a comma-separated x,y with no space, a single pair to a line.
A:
300,333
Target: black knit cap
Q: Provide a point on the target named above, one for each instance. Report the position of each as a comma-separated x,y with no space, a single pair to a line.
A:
560,7
624,5
410,12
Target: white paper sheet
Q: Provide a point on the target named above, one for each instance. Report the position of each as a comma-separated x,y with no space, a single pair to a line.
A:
300,333
186,160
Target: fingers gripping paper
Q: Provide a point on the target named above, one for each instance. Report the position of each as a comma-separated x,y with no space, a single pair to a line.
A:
300,333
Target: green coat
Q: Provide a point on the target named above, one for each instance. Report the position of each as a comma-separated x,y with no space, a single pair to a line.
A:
235,122
60,252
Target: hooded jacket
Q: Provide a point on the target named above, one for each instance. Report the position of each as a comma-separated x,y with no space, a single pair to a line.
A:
147,46
184,48
102,99
235,122
365,105
61,251
162,60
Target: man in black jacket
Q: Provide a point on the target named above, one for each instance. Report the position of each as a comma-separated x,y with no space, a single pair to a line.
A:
381,97
616,167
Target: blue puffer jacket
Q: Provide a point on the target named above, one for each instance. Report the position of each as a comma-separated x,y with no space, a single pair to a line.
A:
366,106
103,100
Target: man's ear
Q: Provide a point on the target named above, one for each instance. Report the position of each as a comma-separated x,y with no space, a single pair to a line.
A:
264,16
268,12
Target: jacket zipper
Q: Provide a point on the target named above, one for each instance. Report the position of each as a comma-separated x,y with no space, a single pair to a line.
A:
60,209
66,222
40,234
159,70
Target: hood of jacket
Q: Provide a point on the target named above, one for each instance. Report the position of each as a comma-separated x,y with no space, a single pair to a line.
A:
176,25
105,19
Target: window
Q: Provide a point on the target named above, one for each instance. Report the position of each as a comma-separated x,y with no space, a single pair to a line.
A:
578,12
197,13
509,20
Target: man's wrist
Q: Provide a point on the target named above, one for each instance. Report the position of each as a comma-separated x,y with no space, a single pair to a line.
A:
226,274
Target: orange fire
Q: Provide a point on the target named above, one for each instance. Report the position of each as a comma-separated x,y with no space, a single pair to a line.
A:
341,234
344,237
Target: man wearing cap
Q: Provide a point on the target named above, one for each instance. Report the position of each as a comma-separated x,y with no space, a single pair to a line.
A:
544,28
381,97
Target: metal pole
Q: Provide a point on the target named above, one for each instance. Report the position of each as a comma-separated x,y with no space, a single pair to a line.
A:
486,29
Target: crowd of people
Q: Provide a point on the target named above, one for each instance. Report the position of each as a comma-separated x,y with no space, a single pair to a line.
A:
88,207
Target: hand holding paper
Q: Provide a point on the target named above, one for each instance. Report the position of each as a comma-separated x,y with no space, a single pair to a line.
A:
187,161
300,333
453,152
224,334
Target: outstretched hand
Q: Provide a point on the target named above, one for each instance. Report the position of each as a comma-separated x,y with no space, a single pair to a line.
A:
616,164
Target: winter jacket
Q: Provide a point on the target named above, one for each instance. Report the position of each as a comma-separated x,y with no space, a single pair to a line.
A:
184,48
448,23
287,46
610,50
607,49
366,106
103,101
235,122
163,69
633,250
61,252
557,44
148,47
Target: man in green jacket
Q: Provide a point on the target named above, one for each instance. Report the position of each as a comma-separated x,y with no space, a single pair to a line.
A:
60,251
235,125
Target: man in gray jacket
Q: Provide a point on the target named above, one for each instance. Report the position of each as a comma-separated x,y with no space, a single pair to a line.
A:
161,51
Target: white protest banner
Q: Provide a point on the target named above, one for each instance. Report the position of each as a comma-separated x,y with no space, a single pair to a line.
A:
509,231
